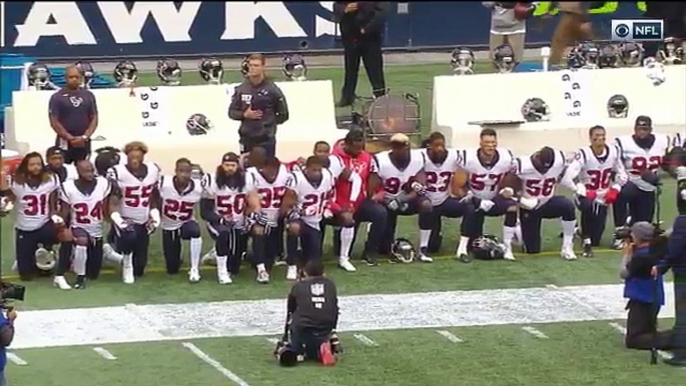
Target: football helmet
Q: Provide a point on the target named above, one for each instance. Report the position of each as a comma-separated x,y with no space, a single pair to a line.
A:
45,260
618,106
294,67
403,251
87,73
196,172
575,59
212,70
169,72
462,61
535,110
671,52
245,66
608,56
590,53
655,71
125,73
504,59
488,247
106,158
198,124
39,76
631,54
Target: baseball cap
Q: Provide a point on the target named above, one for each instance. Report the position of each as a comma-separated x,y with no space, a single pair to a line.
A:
230,157
54,151
643,230
644,120
400,138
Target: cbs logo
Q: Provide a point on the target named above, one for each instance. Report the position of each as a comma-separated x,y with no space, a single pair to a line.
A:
622,30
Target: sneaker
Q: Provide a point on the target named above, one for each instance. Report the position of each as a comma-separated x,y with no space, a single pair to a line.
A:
193,275
326,354
568,254
292,273
80,282
127,275
61,283
588,250
224,278
263,277
423,257
369,259
344,262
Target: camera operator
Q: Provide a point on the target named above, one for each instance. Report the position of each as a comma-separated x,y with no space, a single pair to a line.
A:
6,337
645,292
313,306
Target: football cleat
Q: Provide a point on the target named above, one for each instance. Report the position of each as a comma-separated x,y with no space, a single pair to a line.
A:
464,258
210,258
61,283
345,263
193,275
588,250
508,254
224,278
423,257
369,259
263,277
80,282
568,254
127,274
292,273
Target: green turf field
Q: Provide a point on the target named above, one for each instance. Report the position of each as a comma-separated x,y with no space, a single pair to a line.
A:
162,329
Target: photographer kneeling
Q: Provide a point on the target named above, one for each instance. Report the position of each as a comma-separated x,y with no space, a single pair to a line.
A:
646,294
313,311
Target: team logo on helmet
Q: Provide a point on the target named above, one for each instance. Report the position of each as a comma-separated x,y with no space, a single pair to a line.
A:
618,106
403,251
198,124
535,110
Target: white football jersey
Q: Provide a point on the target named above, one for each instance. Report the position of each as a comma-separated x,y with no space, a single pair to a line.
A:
72,174
33,204
271,192
228,202
312,199
178,208
87,209
637,159
439,177
393,179
484,180
596,172
537,185
136,193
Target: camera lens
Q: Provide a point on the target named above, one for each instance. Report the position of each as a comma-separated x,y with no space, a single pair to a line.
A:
622,30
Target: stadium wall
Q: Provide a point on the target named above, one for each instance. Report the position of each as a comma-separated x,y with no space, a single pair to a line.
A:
577,100
88,29
158,116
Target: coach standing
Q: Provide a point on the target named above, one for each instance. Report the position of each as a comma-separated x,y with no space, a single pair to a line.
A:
74,117
260,106
362,25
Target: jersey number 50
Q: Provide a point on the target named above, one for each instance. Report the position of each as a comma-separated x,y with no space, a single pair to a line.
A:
230,205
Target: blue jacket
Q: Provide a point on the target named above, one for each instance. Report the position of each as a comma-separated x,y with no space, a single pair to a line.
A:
642,289
3,353
676,253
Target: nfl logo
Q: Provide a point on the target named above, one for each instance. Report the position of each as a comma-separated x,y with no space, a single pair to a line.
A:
317,289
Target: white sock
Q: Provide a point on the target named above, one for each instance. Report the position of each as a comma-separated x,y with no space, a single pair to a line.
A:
424,236
196,249
110,254
127,261
508,235
568,233
80,257
221,264
347,236
260,267
462,246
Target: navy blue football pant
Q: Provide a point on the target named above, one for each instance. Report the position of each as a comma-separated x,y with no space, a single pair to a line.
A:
94,250
503,206
134,239
531,220
634,202
26,244
171,244
230,242
265,247
371,212
310,240
593,218
451,208
307,340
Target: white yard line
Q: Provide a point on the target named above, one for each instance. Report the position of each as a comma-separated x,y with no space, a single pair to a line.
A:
366,340
16,360
104,353
98,327
622,330
449,335
535,332
217,366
